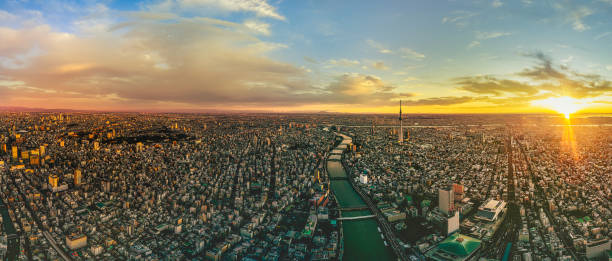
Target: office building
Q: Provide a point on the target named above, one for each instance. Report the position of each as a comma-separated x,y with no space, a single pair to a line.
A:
53,180
77,177
491,210
75,241
446,200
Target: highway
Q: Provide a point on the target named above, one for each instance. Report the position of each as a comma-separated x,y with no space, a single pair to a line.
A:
55,246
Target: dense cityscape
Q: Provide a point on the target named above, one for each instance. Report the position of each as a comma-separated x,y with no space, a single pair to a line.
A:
128,186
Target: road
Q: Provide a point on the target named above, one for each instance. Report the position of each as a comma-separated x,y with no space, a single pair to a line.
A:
55,246
541,196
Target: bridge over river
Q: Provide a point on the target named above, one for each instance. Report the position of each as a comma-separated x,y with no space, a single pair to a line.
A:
362,241
357,218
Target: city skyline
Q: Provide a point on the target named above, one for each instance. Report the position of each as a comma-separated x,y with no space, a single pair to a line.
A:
307,56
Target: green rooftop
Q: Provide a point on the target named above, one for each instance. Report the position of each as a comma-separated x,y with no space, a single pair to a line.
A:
426,202
459,245
584,219
408,198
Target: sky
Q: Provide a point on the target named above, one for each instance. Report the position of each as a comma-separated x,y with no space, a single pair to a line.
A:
468,56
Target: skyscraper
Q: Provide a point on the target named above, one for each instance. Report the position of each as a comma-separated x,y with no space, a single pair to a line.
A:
77,177
14,152
446,200
400,135
53,180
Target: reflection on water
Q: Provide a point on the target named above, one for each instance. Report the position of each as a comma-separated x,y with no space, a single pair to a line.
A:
362,241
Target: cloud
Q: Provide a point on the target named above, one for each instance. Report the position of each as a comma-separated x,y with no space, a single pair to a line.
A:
405,52
459,18
490,35
544,70
496,3
609,67
186,61
543,80
473,44
6,16
576,17
493,86
378,46
380,65
343,62
310,60
603,35
441,101
409,53
362,89
260,8
167,62
258,27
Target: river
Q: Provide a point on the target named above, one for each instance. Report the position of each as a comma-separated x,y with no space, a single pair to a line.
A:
362,241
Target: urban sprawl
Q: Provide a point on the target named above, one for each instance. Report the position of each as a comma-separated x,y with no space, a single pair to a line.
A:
137,186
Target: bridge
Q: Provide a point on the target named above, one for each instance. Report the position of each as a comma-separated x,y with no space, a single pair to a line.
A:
356,218
338,178
353,208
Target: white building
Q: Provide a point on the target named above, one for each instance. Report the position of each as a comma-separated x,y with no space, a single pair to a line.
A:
452,224
363,178
490,210
446,200
596,249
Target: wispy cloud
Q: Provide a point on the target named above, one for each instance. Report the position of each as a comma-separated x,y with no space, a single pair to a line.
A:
459,18
473,44
490,35
343,62
378,46
6,16
576,17
380,65
411,54
603,35
260,8
258,27
497,3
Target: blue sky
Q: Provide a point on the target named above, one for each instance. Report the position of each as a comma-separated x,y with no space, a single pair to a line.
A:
314,55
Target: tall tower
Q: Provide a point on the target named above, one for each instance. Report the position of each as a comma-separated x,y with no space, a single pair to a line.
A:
446,200
400,136
77,177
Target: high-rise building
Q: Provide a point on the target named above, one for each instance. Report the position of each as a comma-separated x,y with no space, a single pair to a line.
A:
53,180
75,240
446,200
139,147
400,135
106,186
452,222
15,152
77,177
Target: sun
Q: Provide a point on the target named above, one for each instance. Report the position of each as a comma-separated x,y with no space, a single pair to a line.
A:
564,105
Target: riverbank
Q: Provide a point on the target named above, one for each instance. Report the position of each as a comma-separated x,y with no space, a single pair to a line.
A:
361,238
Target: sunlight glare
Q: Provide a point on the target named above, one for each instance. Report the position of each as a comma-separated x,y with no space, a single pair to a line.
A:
564,105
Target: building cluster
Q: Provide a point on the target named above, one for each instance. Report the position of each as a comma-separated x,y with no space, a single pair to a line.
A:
163,186
533,189
87,186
